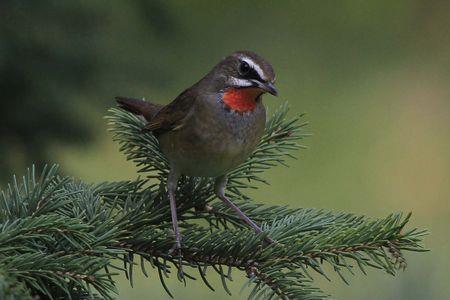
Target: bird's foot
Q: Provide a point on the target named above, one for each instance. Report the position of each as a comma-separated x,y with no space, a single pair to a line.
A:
270,241
176,252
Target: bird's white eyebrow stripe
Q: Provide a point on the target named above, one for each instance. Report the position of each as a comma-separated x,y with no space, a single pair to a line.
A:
255,66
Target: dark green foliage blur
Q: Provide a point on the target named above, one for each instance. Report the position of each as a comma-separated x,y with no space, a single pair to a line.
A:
61,60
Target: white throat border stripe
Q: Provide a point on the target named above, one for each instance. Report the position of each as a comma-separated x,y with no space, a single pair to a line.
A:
241,82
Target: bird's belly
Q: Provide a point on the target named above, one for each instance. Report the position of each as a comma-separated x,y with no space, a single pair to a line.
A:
210,157
213,150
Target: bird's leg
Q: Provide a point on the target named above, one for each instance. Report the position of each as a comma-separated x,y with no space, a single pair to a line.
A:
220,185
172,183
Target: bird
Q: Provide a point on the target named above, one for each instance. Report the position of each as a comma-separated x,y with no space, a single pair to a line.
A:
211,127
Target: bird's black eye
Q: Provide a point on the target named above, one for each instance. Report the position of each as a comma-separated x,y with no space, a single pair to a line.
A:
244,68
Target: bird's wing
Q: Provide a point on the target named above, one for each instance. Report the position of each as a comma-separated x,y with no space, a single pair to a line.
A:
171,116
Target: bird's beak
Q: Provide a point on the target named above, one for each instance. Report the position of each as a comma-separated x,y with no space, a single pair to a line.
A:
268,87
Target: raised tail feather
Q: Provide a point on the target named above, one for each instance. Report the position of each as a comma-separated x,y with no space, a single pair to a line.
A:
139,107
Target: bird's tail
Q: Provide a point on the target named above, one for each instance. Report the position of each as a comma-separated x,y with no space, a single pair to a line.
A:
139,107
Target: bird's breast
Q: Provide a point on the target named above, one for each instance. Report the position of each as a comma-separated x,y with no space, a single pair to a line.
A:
214,140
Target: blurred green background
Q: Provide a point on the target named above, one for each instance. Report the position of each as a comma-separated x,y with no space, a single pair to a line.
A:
372,76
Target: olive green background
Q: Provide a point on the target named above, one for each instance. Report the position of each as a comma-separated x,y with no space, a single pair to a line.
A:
373,78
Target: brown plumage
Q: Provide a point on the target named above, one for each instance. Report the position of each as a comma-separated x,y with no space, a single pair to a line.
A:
213,126
139,107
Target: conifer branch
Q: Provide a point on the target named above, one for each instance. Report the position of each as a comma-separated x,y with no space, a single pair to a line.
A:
61,238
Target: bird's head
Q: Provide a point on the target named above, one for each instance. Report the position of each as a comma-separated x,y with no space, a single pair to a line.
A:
243,77
246,69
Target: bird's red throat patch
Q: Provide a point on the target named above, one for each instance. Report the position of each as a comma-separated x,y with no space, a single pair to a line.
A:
241,100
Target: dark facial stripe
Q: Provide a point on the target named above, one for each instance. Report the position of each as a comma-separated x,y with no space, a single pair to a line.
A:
252,74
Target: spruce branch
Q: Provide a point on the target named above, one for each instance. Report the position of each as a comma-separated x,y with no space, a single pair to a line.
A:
12,289
61,238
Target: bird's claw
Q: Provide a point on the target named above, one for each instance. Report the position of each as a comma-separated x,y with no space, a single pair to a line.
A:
177,248
270,241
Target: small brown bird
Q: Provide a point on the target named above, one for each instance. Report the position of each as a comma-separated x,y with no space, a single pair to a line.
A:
213,126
